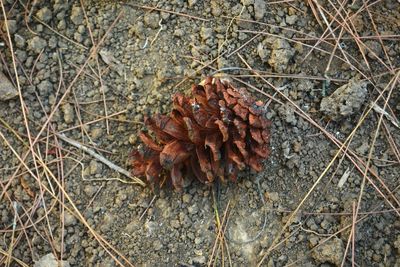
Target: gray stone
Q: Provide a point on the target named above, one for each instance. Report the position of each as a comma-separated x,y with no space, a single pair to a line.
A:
175,224
68,112
186,198
291,20
281,54
50,260
262,52
44,14
157,245
192,2
69,219
12,26
199,260
206,33
96,133
374,49
19,41
331,251
21,55
151,20
247,2
36,44
62,25
7,89
259,9
45,87
77,15
95,167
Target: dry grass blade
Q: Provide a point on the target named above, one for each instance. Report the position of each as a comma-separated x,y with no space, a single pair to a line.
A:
220,240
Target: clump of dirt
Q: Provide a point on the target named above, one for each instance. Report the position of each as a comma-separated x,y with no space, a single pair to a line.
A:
346,100
7,89
92,70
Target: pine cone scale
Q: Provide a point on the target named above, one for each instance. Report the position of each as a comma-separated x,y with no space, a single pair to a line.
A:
174,153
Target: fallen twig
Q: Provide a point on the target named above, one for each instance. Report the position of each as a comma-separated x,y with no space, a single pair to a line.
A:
101,158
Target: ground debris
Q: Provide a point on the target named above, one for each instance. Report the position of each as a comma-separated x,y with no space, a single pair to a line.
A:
7,89
345,101
50,261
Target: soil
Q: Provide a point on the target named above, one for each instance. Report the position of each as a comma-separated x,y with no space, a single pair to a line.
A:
145,55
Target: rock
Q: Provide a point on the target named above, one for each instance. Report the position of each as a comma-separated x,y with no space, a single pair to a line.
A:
291,20
192,2
259,9
345,101
262,52
19,41
138,29
186,198
44,14
287,113
111,61
12,26
44,87
206,33
107,222
95,167
247,2
281,54
7,89
62,25
179,33
69,219
151,20
216,8
36,44
96,133
199,260
68,112
397,244
90,190
157,245
331,251
175,224
193,209
77,15
50,260
21,55
375,49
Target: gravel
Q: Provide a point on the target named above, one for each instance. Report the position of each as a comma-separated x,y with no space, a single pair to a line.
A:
37,44
140,68
7,89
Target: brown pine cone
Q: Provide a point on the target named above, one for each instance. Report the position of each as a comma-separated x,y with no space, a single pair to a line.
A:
214,134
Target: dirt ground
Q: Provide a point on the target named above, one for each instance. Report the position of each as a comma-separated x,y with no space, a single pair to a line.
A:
91,70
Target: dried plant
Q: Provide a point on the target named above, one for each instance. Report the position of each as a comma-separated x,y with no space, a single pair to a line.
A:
213,135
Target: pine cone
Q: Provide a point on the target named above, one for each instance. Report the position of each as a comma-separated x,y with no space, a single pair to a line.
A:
213,135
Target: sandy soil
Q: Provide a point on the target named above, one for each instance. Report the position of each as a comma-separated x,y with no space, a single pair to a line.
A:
97,67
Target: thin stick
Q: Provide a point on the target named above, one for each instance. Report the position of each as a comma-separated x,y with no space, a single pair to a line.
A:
353,234
101,158
145,211
59,34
